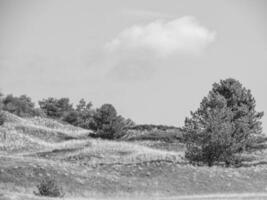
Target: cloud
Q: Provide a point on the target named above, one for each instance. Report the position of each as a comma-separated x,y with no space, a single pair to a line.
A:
140,50
163,38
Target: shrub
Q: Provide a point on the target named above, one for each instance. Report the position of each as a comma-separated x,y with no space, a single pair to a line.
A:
2,119
49,187
82,116
224,125
72,118
21,106
55,108
107,123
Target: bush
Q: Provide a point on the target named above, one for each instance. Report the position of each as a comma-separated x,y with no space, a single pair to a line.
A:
2,119
82,116
107,123
224,125
55,108
21,106
49,187
72,118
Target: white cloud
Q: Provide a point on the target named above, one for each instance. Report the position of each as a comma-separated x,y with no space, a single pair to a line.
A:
139,51
163,38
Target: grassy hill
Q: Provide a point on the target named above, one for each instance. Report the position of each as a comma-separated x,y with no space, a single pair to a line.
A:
31,149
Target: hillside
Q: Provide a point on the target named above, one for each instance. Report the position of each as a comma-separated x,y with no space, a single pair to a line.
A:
31,149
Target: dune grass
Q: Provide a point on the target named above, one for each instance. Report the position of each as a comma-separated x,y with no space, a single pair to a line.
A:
19,135
33,148
108,152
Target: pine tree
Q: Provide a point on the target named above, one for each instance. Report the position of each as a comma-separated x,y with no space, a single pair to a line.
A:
224,125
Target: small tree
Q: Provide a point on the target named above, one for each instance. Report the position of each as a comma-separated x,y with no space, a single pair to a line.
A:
224,125
85,114
71,117
107,123
55,108
82,116
21,106
104,121
2,119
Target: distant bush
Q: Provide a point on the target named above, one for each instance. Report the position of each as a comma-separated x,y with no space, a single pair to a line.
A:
82,116
170,135
21,106
56,108
2,119
71,117
150,127
107,123
224,126
50,188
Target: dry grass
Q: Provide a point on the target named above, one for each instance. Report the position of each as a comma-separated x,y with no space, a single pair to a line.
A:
33,148
108,152
19,135
244,196
37,135
12,142
153,135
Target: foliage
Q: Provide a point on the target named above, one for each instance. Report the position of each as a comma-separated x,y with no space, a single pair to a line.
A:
104,120
2,119
71,117
85,114
224,125
107,123
49,187
21,106
55,108
150,127
170,135
82,116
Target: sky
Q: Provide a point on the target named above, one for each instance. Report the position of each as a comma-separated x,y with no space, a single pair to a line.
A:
154,60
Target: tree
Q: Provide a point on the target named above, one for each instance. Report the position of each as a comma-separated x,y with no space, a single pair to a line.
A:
105,120
21,106
56,108
2,119
83,106
82,116
107,123
72,117
85,114
224,125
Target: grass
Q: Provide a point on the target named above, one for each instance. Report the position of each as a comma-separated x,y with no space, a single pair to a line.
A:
153,135
31,149
167,179
19,135
244,196
120,152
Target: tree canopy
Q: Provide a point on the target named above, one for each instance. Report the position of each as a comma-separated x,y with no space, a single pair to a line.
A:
224,125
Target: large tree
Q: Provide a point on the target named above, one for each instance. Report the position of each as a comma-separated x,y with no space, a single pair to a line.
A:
223,126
